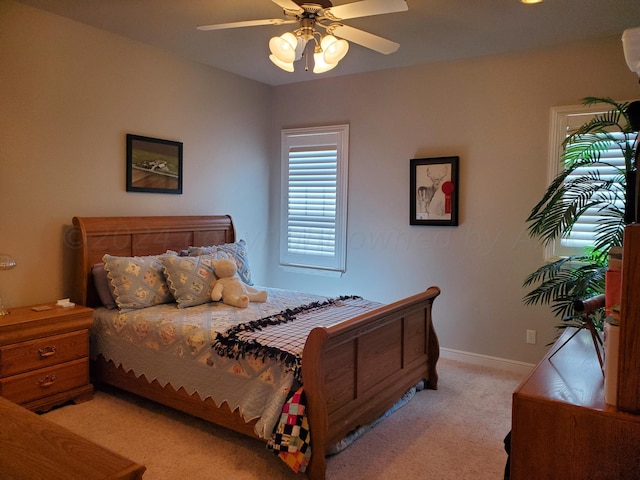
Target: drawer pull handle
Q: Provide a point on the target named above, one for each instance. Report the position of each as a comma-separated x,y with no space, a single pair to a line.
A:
47,381
46,352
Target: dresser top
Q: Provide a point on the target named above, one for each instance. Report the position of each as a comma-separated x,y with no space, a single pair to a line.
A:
23,323
34,447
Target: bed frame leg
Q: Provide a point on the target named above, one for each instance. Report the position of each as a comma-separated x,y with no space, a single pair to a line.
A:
317,468
433,354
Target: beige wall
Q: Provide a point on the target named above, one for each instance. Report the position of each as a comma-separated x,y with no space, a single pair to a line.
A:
494,114
70,93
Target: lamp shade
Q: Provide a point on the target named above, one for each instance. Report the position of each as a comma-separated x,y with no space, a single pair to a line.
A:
6,262
631,46
319,64
334,49
287,66
302,43
284,47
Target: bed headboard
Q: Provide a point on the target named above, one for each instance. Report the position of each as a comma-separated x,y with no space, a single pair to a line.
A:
135,236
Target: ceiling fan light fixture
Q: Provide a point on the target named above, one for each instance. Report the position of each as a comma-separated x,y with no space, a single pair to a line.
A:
284,47
328,50
286,66
334,49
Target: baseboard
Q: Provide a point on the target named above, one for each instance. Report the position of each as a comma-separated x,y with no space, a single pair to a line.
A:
486,361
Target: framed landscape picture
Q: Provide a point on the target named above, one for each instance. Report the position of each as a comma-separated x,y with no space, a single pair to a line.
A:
434,191
153,165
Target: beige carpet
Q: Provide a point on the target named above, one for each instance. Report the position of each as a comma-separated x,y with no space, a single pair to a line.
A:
455,432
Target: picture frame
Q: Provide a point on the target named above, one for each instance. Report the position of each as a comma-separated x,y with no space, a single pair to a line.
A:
434,188
154,165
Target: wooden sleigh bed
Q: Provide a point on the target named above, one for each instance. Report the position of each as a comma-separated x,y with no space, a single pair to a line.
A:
352,372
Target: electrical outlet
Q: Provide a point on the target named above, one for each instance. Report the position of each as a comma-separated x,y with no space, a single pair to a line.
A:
531,337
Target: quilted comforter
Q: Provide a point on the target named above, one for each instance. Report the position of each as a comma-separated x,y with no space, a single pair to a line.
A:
248,358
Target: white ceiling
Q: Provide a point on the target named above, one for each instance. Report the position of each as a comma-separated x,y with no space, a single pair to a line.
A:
430,31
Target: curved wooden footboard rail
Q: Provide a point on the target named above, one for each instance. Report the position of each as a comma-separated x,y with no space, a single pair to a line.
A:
355,371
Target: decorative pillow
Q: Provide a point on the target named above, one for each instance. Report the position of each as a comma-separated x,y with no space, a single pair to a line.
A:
138,282
103,287
237,251
190,279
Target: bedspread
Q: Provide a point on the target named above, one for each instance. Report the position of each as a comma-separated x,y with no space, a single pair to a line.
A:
173,346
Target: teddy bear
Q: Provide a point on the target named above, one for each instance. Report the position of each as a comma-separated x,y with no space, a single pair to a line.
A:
230,288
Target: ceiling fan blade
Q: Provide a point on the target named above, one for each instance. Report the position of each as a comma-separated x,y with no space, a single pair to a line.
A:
289,5
246,23
368,40
365,8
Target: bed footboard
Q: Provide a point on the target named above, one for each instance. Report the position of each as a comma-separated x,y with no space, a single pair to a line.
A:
355,371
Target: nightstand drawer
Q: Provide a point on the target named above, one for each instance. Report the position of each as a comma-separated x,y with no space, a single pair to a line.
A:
43,352
45,381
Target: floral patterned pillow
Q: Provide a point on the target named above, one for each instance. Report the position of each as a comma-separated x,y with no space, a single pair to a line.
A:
138,282
237,251
190,279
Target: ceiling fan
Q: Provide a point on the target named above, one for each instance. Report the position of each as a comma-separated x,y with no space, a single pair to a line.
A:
330,48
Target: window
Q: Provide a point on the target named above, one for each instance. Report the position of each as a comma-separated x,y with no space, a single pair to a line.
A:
564,121
314,198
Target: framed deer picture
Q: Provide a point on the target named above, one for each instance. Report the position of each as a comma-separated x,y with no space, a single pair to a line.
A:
434,191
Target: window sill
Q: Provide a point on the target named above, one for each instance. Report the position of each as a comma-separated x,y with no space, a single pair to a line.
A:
312,271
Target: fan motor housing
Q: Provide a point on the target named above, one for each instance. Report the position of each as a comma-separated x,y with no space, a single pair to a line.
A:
316,5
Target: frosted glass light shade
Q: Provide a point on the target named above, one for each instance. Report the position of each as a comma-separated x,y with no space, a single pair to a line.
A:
302,43
319,64
334,49
287,66
631,47
284,47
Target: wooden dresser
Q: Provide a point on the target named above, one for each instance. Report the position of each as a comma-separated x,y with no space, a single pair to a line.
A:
561,426
33,447
44,355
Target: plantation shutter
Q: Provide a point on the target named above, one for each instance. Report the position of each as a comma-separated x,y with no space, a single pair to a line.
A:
314,198
582,234
564,121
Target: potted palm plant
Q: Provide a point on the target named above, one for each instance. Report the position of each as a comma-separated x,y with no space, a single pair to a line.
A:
581,188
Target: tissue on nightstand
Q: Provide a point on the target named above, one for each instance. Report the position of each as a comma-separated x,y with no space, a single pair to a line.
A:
65,303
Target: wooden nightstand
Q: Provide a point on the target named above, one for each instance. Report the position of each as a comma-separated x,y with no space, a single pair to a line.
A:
44,356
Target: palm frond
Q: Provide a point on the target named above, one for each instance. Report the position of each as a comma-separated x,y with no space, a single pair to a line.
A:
574,193
561,208
562,282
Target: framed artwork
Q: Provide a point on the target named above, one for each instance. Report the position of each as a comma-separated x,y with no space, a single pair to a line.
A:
434,191
153,165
